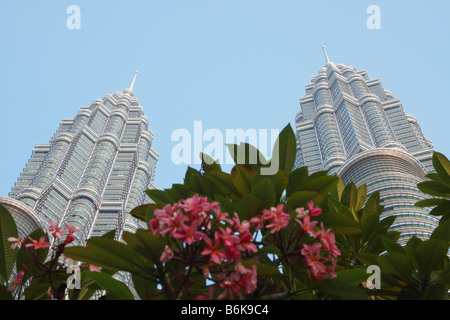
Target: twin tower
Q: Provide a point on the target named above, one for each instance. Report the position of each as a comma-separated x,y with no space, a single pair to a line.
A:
96,167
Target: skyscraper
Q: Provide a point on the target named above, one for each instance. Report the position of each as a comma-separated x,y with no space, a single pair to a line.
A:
350,125
92,173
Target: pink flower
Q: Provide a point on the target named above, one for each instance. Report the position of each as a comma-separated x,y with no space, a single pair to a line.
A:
313,211
307,225
54,230
240,278
231,288
248,281
17,281
167,254
258,221
313,258
217,255
232,253
94,268
190,234
328,240
239,226
196,204
154,226
301,212
70,228
277,218
17,242
172,224
246,242
41,244
221,216
228,238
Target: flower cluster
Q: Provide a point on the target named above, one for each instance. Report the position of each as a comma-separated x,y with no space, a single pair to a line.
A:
57,233
199,234
318,255
41,243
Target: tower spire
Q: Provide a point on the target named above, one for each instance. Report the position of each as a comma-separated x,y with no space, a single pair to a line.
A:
134,79
130,89
326,56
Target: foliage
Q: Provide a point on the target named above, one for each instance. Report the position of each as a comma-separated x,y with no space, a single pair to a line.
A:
253,233
437,186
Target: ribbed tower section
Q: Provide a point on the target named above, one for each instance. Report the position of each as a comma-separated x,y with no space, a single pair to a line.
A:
93,172
350,125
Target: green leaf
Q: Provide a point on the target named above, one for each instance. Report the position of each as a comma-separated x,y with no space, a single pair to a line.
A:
177,192
372,206
442,232
159,196
145,288
245,153
396,264
296,179
410,250
116,289
392,246
4,293
262,269
145,212
284,150
249,206
350,195
340,223
367,258
108,253
209,164
37,291
265,192
148,245
322,184
441,209
301,198
369,227
429,255
442,166
429,202
434,188
8,256
222,181
341,290
242,176
280,184
361,198
353,276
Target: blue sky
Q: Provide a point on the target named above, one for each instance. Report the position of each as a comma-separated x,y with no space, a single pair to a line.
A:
231,64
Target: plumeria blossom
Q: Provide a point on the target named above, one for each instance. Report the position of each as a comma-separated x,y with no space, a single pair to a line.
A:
240,279
70,237
313,211
54,230
307,225
199,234
190,234
277,218
319,254
313,258
217,254
17,242
17,281
167,254
94,268
41,244
328,240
